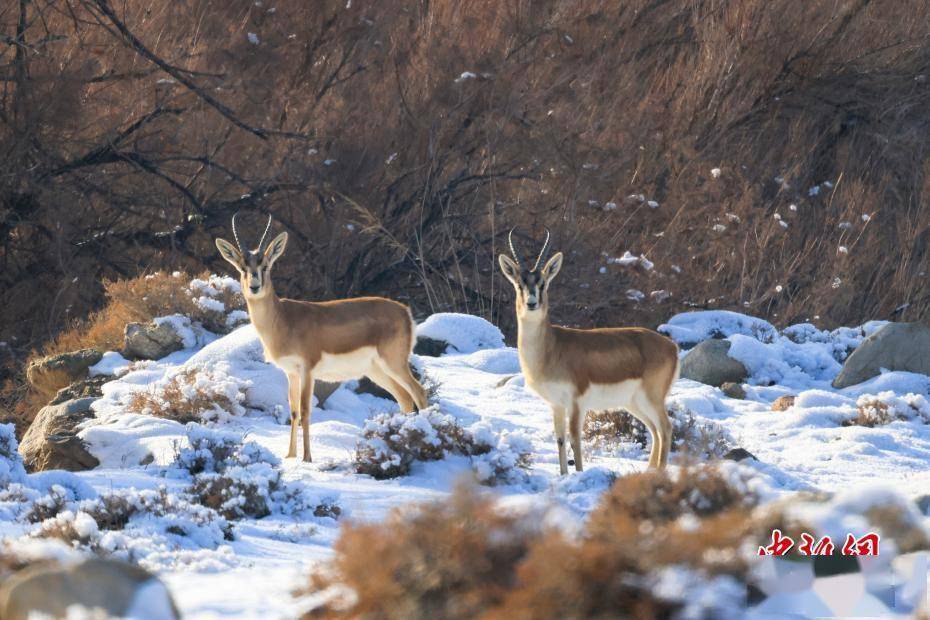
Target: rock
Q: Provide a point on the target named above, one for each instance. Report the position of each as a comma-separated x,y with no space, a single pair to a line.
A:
923,504
430,347
896,346
783,403
120,590
709,363
50,374
367,386
323,390
733,390
90,387
739,454
151,342
52,442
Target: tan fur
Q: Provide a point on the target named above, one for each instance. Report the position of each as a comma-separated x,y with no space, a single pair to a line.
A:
581,370
330,340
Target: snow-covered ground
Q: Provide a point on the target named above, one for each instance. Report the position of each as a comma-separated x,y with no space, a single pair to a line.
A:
254,574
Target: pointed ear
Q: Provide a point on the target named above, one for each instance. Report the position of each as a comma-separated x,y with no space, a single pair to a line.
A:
276,248
510,268
230,253
553,265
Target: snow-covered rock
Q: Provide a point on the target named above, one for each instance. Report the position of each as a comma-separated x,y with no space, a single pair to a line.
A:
464,333
896,346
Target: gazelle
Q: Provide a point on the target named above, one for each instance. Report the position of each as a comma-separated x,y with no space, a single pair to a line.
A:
581,370
329,340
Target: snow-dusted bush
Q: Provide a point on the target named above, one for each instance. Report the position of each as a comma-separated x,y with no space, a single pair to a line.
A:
393,442
690,435
11,463
252,491
213,451
500,459
218,303
130,523
886,407
191,395
240,478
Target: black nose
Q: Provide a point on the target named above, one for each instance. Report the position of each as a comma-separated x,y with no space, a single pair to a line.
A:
532,306
254,289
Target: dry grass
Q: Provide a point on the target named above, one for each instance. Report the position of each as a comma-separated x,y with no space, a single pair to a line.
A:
186,397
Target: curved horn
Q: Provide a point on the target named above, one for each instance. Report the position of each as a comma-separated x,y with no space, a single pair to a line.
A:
542,252
264,234
236,234
512,250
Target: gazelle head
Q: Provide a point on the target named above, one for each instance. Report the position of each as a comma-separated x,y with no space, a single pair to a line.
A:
254,266
531,285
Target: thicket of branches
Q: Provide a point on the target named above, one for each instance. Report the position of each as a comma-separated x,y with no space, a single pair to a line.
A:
398,141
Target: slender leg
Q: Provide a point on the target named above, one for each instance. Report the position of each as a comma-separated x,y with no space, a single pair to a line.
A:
306,407
558,421
293,399
405,378
575,423
398,391
665,426
643,412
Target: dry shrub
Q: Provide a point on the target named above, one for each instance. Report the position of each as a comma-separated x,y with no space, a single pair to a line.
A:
887,407
189,396
452,559
658,496
462,558
606,429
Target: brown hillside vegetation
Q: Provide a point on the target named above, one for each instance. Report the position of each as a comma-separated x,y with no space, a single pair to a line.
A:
398,141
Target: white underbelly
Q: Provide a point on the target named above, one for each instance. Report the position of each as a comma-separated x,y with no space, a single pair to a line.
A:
603,396
557,393
345,366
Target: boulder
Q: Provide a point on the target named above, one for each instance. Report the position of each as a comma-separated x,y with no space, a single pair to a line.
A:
50,374
90,387
367,386
151,341
430,347
709,363
896,346
739,454
733,390
323,390
52,442
116,589
783,403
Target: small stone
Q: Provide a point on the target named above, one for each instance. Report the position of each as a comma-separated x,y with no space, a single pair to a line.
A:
739,454
783,403
733,390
